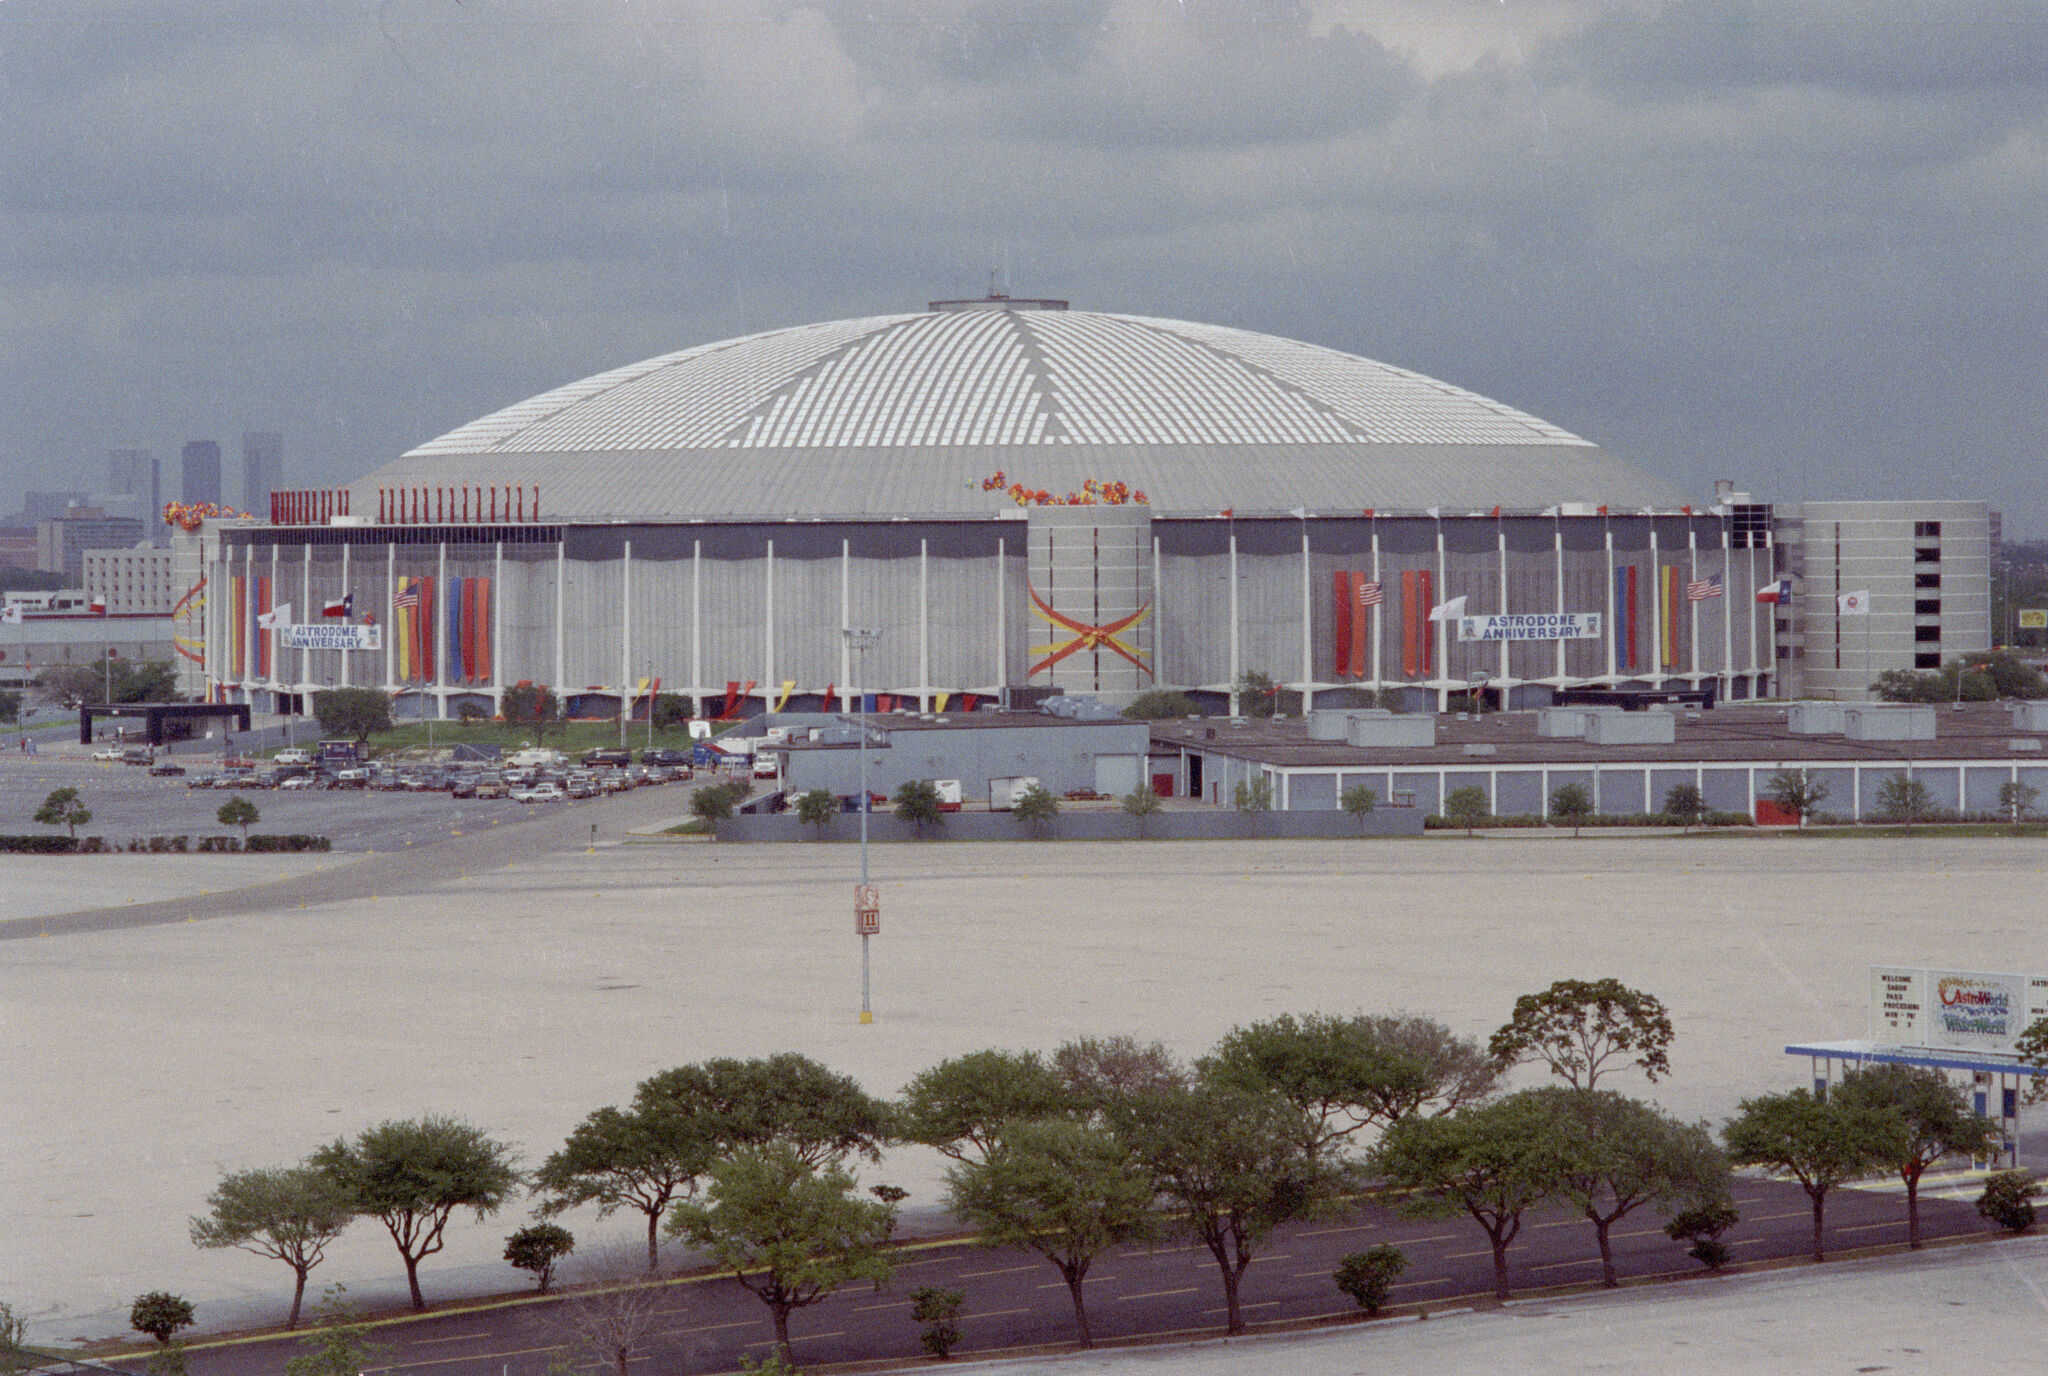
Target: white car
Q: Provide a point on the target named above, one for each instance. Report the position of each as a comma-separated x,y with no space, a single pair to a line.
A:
539,793
298,781
109,753
293,756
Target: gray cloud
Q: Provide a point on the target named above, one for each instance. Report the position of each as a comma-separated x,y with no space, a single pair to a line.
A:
1799,254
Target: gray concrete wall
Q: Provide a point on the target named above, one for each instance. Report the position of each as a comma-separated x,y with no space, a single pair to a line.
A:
1061,757
1092,825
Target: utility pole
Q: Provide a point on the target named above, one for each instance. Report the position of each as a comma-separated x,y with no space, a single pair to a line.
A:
867,914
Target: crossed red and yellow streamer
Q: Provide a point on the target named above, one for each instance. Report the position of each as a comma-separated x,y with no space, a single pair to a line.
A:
1085,637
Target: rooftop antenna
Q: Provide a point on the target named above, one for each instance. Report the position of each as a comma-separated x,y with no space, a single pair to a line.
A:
995,293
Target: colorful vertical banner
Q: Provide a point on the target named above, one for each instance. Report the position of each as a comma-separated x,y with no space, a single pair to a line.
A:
1418,632
238,629
1340,657
1673,593
1625,625
458,661
264,639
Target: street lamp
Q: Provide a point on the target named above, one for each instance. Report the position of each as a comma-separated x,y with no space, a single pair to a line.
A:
867,912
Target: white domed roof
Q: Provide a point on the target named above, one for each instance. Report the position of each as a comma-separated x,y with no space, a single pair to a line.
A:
901,414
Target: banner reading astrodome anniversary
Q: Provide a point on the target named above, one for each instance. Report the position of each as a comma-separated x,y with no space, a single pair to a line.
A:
1531,626
305,636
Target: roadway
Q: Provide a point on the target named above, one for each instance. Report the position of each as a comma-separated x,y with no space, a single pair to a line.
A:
1017,1300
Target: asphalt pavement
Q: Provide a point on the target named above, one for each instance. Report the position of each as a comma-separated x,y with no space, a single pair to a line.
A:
385,843
1017,1300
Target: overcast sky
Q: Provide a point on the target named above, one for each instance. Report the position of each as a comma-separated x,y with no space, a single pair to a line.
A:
1784,242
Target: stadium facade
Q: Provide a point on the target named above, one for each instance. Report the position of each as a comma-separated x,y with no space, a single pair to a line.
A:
1020,498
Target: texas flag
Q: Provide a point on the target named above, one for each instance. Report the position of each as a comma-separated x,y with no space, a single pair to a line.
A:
97,607
345,605
1780,591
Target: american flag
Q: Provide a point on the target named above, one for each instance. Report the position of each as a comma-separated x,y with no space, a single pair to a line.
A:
1700,589
1370,594
408,596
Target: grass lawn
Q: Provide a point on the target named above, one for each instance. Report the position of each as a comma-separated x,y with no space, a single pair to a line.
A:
571,738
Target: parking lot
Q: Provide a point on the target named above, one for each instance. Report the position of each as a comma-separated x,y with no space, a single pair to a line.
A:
127,802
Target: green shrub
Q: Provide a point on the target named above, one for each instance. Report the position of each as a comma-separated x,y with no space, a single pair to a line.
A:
1368,1277
1702,1225
1160,704
296,841
38,845
2008,1199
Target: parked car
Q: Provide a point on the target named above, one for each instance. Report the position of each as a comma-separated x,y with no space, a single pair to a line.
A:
767,766
166,770
464,786
138,754
607,759
197,780
488,787
298,781
108,754
294,755
354,777
539,793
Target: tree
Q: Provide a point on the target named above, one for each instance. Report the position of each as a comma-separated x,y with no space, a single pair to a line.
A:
62,809
10,707
816,807
1494,1161
1450,1070
412,1173
1252,798
1337,1072
1159,704
537,1248
2032,1047
1368,1277
789,1230
917,802
1626,1154
112,680
352,713
642,1157
1036,808
288,1213
1359,801
1232,1167
1902,798
1571,803
1938,1118
784,1100
1796,791
670,709
1140,804
713,803
469,714
1576,1026
966,1101
1466,805
1821,1144
15,1353
2017,800
614,1321
160,1314
939,1311
532,706
238,812
1068,1191
1686,803
1258,696
339,1344
1101,1073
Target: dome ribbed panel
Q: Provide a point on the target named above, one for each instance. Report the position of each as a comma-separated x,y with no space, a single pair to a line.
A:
1388,405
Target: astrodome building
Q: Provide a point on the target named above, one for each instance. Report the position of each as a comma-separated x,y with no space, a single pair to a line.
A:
1020,499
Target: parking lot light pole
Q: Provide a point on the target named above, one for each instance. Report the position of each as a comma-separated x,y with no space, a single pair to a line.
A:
859,640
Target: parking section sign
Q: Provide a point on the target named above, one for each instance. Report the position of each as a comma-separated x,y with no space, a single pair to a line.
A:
1898,1005
1531,626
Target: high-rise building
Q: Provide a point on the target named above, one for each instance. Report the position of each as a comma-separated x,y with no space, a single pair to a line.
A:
202,471
262,469
137,473
44,506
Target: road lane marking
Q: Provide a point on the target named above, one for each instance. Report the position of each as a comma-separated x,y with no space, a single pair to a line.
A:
892,1304
1560,1265
770,1342
711,1327
1005,1271
1866,1227
1259,1304
451,1338
1159,1294
1416,1284
1087,1280
1461,1256
1333,1232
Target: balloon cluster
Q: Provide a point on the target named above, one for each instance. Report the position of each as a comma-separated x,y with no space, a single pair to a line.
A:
188,515
1092,493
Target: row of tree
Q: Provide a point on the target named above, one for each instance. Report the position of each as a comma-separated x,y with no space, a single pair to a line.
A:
1108,1141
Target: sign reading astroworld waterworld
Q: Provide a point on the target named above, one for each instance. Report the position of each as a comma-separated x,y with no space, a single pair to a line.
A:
1531,626
308,637
1960,1010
